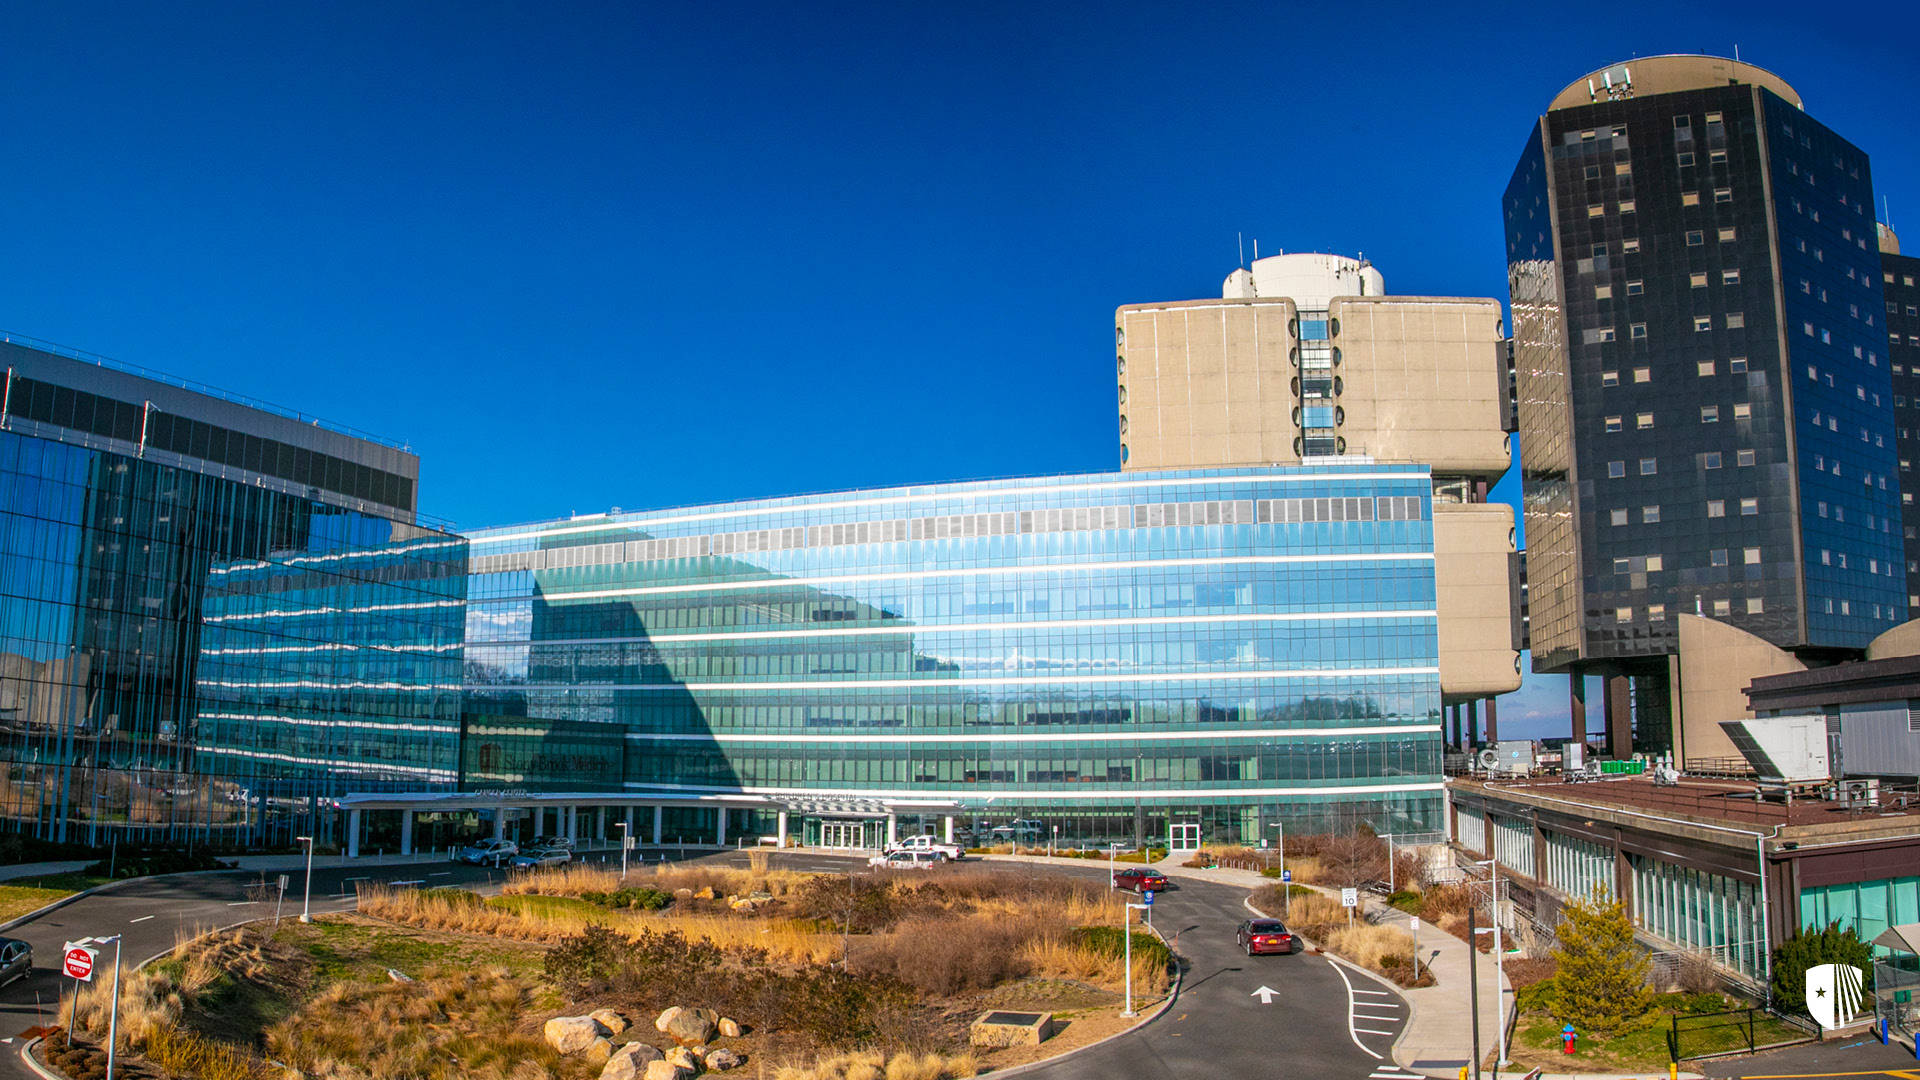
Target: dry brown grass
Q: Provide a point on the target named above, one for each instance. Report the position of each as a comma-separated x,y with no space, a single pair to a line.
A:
874,1065
153,998
1368,945
1056,958
579,879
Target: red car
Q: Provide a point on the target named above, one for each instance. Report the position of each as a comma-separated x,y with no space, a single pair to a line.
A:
1140,879
1259,936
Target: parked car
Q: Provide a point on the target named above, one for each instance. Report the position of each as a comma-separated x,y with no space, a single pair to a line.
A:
1140,879
927,842
553,842
16,960
489,852
541,856
907,860
1263,936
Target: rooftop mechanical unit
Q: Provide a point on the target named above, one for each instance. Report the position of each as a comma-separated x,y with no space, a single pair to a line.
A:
1783,750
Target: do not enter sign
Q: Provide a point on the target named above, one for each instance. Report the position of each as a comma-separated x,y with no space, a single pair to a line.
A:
79,962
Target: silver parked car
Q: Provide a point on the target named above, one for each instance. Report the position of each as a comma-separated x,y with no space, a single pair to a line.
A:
534,858
16,960
489,852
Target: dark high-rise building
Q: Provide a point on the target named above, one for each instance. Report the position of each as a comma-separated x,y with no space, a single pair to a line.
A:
1900,280
1712,489
215,617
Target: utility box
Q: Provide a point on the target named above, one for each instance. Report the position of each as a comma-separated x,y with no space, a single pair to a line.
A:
1783,750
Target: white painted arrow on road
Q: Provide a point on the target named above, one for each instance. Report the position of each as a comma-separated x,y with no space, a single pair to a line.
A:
1265,994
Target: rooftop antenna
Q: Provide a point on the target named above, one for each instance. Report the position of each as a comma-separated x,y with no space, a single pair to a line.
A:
1243,249
1256,249
1736,52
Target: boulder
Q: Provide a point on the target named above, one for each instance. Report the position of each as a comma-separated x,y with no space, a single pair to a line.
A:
597,1053
629,1062
612,1021
741,905
666,1070
683,893
705,892
660,1022
686,1058
572,1034
723,1059
690,1027
729,1028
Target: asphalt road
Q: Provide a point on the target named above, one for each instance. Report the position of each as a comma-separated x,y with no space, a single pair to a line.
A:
1322,1021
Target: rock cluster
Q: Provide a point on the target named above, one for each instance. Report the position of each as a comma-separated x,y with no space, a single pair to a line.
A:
591,1037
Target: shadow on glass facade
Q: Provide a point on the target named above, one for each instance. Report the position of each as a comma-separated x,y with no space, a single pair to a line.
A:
1106,654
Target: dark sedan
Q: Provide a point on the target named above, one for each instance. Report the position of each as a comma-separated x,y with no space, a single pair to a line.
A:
1264,936
1140,879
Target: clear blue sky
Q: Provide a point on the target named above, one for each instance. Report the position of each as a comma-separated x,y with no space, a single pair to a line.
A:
582,255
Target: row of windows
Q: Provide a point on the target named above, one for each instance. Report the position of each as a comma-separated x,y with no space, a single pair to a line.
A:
1658,612
1052,520
1715,508
1654,563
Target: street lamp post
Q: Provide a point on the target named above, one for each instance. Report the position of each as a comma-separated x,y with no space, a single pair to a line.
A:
306,900
1286,888
1052,840
113,1012
626,842
1126,932
1499,957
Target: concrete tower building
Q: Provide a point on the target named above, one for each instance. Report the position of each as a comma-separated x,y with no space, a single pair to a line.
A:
1306,357
1706,415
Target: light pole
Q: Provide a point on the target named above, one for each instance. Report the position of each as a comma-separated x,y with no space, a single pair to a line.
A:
1499,957
626,841
1388,837
1286,887
1052,840
306,900
113,1013
1113,852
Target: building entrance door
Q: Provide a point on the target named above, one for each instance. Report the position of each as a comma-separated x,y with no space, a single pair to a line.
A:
1183,836
844,835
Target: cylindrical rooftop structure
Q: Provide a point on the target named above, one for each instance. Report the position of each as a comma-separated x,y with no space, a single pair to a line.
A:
1666,75
1309,279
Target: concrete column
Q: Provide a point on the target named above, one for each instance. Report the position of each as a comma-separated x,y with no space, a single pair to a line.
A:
659,818
783,828
949,833
1577,706
499,823
1493,721
1619,714
406,832
893,830
353,834
600,823
721,831
1472,710
629,821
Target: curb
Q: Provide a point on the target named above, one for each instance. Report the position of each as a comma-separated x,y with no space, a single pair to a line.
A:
33,1062
1173,995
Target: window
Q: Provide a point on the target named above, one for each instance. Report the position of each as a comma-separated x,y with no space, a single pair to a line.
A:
1630,245
1717,157
1704,367
1709,414
1689,198
1713,118
1695,238
1755,605
1736,320
1617,517
1593,172
1649,466
1616,469
1737,364
1638,332
1609,378
1710,459
1723,195
1622,168
1596,210
1730,277
1656,613
1635,288
1641,374
1716,508
1752,556
1643,421
1603,292
1682,121
1613,423
1728,234
1717,557
1723,607
1743,411
1626,206
1623,614
1697,279
1702,323
1743,457
1649,515
1749,507
1684,158
1622,566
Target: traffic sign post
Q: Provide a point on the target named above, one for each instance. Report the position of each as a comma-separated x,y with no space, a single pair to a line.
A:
1349,899
1286,893
1127,933
78,961
1146,904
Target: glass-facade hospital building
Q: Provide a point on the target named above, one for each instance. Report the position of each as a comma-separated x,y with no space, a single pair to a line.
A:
228,625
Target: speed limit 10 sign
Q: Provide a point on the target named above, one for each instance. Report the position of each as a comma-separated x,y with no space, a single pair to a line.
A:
79,962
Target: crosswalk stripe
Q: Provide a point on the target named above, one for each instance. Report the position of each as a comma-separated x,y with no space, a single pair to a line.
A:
1370,1031
1373,993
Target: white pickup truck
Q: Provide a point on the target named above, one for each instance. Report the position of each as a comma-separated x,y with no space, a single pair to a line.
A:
927,842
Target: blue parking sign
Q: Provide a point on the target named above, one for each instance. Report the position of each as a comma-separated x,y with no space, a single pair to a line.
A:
1286,875
1146,897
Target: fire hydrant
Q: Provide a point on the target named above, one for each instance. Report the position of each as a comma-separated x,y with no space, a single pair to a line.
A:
1566,1035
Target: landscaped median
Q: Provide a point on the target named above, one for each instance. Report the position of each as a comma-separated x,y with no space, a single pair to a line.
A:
1322,919
821,976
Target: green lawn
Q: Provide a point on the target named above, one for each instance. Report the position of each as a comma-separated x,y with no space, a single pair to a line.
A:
1536,1041
17,900
523,904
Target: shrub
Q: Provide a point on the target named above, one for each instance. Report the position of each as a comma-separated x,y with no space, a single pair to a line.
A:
1407,900
1601,983
456,897
945,956
1829,945
1110,942
145,862
586,960
636,897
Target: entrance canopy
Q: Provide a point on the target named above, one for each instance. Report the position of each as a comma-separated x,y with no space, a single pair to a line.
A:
1905,938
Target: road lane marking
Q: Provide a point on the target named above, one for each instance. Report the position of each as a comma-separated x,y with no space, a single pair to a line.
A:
142,918
1370,1031
1352,1032
443,873
1373,993
242,903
